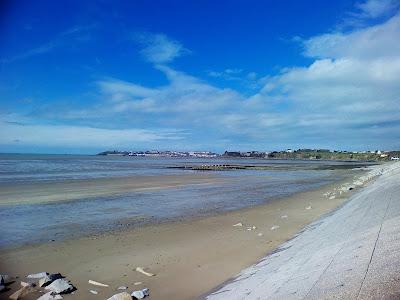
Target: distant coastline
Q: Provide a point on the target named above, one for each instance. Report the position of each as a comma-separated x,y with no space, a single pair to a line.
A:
300,154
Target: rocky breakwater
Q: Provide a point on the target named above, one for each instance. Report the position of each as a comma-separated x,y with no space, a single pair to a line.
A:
359,181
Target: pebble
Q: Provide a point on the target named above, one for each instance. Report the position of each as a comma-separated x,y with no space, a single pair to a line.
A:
98,283
121,296
140,270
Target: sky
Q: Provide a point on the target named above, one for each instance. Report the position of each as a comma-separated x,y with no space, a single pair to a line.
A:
89,76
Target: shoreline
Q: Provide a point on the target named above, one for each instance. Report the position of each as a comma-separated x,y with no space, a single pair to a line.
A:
190,257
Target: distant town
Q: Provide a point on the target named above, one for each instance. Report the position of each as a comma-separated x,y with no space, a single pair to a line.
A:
312,154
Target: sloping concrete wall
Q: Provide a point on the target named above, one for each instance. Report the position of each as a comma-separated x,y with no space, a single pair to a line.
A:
353,253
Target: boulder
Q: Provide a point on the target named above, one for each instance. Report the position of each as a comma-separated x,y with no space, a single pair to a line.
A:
140,294
50,296
37,275
60,286
121,296
45,281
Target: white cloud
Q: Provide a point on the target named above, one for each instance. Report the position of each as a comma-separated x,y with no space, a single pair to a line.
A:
184,94
369,43
158,48
349,95
349,91
79,136
376,8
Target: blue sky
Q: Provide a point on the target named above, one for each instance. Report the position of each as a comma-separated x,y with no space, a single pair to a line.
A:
82,76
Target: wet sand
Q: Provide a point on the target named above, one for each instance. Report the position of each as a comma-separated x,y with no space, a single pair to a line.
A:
67,190
189,257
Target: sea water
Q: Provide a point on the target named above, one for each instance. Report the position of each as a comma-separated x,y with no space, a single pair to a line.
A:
34,223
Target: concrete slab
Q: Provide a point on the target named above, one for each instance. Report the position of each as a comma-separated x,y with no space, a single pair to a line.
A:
353,253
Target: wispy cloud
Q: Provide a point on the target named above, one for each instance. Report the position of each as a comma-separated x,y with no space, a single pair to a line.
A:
248,81
45,48
184,94
80,136
62,39
376,8
369,10
158,48
227,74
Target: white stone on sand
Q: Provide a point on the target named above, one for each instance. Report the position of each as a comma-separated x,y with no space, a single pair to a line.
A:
140,270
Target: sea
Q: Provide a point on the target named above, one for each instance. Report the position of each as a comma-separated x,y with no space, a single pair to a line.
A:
22,224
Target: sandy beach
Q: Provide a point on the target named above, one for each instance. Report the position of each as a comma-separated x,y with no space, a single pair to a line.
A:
189,257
